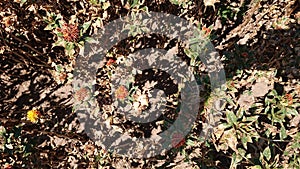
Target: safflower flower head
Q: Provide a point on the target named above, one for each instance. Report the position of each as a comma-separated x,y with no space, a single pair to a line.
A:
206,31
33,115
178,140
289,98
245,54
82,94
69,32
7,166
121,93
110,62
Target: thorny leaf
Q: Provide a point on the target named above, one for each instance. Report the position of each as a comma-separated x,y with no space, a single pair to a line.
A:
267,153
231,118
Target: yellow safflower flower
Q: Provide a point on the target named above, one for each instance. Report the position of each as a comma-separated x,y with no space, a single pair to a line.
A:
33,115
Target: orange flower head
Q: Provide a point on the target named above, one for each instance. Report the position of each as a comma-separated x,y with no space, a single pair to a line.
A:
177,140
121,92
289,97
245,54
206,31
110,62
70,32
81,94
7,166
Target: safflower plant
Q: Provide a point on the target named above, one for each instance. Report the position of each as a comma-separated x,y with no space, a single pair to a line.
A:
68,34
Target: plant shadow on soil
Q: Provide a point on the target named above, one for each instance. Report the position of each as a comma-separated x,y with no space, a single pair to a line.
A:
23,87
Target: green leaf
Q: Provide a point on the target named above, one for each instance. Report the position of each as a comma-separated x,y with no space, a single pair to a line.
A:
246,139
282,133
234,161
231,118
292,111
80,44
105,5
256,167
59,42
49,27
22,2
89,39
9,146
175,2
70,52
183,152
190,142
134,3
188,52
267,109
85,26
94,1
59,34
240,113
268,132
295,145
240,155
267,153
59,68
145,9
69,46
252,119
2,131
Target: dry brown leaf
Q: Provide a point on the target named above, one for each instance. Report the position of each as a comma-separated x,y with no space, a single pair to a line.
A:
228,139
210,3
295,121
57,141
